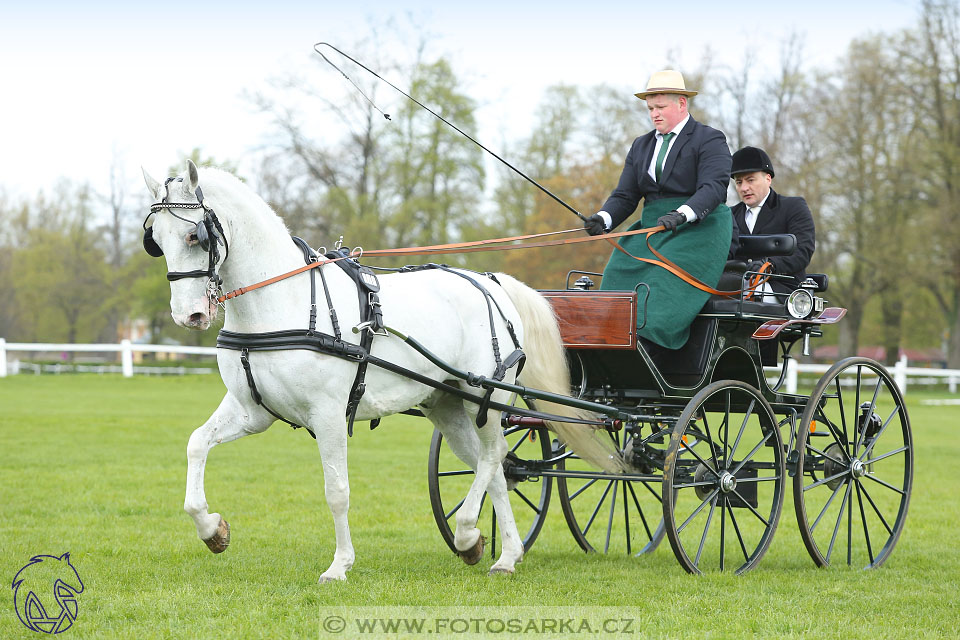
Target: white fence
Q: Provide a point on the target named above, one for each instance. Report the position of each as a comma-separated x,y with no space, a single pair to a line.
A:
902,374
125,348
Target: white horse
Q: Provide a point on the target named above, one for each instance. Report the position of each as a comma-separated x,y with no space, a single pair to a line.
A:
444,312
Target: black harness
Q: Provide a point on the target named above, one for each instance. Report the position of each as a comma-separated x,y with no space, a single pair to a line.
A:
209,233
371,324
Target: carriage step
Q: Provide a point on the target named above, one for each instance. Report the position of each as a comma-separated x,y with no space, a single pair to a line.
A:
792,459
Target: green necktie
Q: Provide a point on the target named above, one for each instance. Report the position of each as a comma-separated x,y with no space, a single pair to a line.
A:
664,146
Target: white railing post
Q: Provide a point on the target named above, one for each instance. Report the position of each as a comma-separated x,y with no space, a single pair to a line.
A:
952,384
126,358
791,381
900,373
3,358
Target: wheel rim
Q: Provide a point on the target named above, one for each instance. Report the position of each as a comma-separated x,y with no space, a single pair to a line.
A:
725,468
610,515
449,479
852,495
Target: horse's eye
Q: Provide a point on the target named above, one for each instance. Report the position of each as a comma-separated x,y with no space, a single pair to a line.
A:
192,238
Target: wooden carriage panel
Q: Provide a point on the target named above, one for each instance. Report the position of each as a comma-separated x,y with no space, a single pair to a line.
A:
596,319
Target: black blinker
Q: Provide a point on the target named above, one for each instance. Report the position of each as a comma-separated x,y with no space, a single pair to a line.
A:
150,245
203,235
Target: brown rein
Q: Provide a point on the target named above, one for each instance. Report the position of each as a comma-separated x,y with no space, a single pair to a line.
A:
494,244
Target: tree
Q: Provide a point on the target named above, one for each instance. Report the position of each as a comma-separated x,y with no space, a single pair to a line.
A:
585,187
872,175
434,175
60,278
933,56
411,180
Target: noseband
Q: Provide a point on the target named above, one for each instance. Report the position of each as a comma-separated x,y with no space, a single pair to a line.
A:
209,234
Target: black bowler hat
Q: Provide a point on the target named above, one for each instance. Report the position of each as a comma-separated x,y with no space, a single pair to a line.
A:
750,159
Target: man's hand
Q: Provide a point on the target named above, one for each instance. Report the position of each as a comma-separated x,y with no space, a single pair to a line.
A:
672,220
756,265
594,225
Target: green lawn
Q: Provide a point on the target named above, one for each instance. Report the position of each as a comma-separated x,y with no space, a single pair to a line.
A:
95,465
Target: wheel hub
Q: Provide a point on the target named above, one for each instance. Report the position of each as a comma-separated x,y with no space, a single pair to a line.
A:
728,482
858,469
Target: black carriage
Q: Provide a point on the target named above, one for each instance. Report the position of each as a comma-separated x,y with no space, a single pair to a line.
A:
711,445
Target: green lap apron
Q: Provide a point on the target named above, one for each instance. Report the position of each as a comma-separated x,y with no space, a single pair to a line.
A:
700,249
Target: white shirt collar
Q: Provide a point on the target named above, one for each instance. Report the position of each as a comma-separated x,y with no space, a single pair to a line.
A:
760,206
677,128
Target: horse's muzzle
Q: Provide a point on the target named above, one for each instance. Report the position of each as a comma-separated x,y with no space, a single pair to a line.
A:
197,320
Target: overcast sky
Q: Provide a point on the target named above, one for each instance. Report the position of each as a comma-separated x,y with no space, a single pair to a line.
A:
83,81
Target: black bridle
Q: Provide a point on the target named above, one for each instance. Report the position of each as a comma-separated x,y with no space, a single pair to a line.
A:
209,234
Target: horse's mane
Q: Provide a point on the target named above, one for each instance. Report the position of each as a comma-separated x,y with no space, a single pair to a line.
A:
233,192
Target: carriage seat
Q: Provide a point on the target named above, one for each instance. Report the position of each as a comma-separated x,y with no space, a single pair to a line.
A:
753,247
762,246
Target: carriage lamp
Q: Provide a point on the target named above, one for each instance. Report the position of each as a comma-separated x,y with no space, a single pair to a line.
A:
800,304
584,283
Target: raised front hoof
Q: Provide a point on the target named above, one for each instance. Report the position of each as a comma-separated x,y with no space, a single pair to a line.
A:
220,540
472,555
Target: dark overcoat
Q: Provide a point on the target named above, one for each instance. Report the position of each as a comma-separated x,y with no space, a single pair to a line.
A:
783,214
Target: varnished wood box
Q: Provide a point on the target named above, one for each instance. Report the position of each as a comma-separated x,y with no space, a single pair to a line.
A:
596,319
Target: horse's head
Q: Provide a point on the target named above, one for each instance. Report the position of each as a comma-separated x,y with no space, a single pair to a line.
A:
182,228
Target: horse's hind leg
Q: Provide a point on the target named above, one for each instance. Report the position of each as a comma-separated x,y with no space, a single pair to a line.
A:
483,449
229,422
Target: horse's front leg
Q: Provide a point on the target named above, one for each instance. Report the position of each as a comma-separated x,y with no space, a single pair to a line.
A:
229,422
332,442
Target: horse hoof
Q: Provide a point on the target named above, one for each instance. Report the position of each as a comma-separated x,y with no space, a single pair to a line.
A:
500,571
472,555
220,540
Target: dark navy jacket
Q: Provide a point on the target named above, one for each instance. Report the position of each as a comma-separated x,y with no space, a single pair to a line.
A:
697,168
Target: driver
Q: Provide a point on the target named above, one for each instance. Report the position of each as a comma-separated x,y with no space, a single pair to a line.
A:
680,170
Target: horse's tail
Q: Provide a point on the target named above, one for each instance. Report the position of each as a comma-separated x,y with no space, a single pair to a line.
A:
546,369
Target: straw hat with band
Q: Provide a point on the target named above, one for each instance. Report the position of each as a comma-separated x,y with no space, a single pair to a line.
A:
667,81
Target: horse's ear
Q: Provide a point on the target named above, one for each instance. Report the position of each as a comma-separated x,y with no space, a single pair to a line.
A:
152,184
193,176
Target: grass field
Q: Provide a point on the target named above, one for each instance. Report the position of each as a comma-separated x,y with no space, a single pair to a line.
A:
95,465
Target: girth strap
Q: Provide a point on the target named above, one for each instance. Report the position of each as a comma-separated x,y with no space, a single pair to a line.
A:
255,394
501,367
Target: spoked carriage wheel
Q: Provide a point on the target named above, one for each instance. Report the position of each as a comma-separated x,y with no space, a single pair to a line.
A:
449,479
855,462
725,467
611,515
